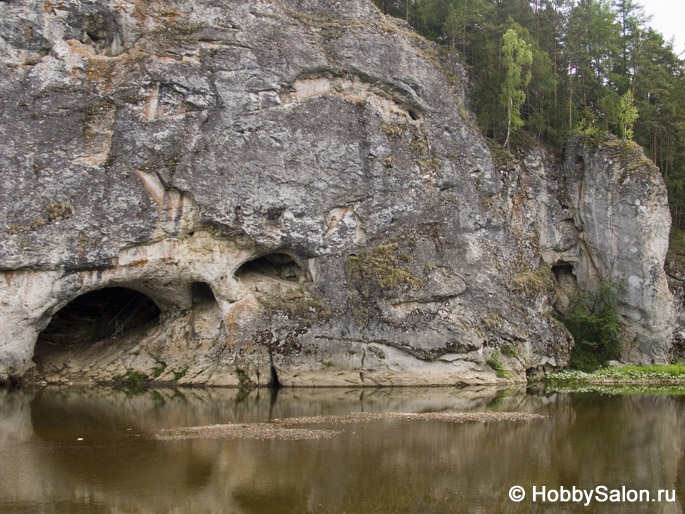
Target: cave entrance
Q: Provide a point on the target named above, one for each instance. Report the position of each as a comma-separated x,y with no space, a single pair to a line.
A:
91,317
202,293
278,266
563,273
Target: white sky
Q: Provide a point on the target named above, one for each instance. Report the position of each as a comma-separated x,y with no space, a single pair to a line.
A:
668,17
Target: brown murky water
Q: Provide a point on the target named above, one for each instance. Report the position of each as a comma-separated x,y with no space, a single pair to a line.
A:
95,451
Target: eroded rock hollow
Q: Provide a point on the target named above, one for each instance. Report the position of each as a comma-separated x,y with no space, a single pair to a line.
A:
291,188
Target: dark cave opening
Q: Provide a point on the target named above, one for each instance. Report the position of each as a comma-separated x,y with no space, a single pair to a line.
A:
201,293
563,271
91,317
275,265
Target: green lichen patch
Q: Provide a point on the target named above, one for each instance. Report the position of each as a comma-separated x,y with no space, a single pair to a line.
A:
385,265
392,130
419,144
58,210
491,320
509,351
298,304
534,282
99,118
35,225
429,166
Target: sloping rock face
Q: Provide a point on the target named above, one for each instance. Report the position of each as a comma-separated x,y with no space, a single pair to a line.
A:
297,187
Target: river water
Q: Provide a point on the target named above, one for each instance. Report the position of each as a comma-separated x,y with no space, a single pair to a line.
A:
97,451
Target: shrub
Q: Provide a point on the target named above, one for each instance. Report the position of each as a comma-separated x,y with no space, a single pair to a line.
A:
496,363
595,328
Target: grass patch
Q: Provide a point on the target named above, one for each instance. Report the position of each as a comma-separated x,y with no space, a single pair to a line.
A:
180,374
650,372
497,364
509,351
429,166
392,130
635,379
533,282
158,369
298,304
383,264
132,383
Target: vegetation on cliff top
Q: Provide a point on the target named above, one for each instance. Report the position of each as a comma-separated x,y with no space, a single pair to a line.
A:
596,67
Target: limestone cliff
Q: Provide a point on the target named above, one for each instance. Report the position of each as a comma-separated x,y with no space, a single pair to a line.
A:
294,189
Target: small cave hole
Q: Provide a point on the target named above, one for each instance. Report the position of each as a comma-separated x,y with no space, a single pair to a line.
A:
275,265
563,272
91,317
202,292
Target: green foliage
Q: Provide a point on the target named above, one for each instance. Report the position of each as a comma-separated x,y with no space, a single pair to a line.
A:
595,328
517,58
132,382
594,65
533,282
181,373
604,379
509,351
385,266
650,372
496,362
627,115
58,210
158,369
299,304
590,129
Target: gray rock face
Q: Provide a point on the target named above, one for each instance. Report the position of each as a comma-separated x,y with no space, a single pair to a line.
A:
313,164
609,225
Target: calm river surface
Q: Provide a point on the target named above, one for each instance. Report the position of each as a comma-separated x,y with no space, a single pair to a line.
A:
83,451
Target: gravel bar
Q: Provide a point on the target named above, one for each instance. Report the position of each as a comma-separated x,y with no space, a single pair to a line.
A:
281,428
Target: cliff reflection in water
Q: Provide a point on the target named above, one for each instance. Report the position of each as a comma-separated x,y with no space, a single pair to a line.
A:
93,451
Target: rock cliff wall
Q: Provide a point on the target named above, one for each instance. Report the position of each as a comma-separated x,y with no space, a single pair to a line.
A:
299,191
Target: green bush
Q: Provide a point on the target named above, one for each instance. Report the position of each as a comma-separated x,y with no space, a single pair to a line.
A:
595,328
497,364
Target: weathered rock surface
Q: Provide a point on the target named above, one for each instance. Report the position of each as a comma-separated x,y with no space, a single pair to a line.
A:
609,224
313,163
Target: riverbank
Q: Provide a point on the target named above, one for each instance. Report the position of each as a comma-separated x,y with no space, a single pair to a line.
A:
655,377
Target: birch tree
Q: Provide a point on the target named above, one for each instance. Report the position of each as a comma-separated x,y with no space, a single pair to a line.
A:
517,58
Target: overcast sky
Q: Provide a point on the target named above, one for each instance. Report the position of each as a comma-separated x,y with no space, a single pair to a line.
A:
668,17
